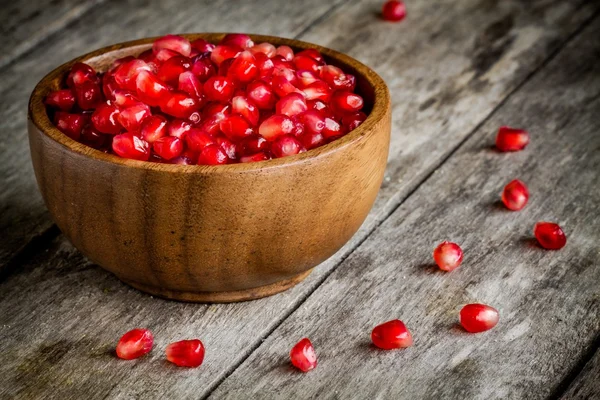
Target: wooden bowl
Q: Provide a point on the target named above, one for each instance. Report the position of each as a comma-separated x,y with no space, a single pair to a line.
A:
211,233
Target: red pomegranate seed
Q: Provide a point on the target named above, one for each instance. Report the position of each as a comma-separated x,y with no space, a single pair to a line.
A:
318,105
62,99
168,147
303,355
173,42
285,146
393,10
229,147
224,68
202,46
391,335
196,139
170,70
80,73
134,344
306,63
125,98
285,52
179,128
93,138
448,255
180,105
549,235
212,155
318,90
241,105
282,86
265,65
147,56
254,158
511,139
275,126
345,101
313,121
186,353
150,89
336,78
235,127
289,74
189,83
127,145
105,119
127,73
120,61
88,95
70,124
237,40
310,140
243,68
261,94
478,317
266,48
212,124
515,195
131,118
291,104
312,53
224,52
219,88
306,78
213,109
332,129
203,68
153,128
352,121
253,144
109,86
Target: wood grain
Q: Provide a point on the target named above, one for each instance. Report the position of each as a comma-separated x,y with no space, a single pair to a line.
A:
549,301
22,213
587,385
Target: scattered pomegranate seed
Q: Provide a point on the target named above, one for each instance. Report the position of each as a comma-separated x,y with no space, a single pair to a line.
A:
391,335
511,139
393,10
134,344
549,235
448,256
173,42
515,195
186,353
70,124
105,119
303,355
478,317
212,155
127,145
62,99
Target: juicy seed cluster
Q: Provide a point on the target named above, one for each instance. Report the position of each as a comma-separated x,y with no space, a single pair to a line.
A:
184,102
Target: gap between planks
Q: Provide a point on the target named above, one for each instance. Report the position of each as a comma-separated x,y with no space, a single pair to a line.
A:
295,306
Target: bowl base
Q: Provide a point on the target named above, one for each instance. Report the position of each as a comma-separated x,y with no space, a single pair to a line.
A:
221,297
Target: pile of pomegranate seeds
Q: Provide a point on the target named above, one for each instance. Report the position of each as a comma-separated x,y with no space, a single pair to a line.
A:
303,355
195,102
393,10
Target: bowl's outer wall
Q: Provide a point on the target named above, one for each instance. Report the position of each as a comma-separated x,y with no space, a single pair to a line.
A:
203,232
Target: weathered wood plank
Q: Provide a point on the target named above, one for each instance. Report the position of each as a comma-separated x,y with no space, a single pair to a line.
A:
549,301
586,385
22,213
24,24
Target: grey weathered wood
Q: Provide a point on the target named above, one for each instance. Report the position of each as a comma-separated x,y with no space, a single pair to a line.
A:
22,213
24,24
586,385
548,300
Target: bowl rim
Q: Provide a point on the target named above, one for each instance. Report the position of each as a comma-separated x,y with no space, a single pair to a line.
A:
38,116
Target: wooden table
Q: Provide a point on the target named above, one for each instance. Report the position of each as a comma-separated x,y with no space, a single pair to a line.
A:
457,70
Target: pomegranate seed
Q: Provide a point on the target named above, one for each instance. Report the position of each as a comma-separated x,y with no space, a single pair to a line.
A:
126,74
224,67
147,56
224,52
393,10
285,52
70,124
306,78
179,128
134,344
212,155
306,63
318,90
235,127
266,48
92,137
229,147
189,83
131,118
337,79
213,109
261,94
352,121
150,89
254,144
203,68
125,98
291,104
312,53
275,126
62,99
127,145
254,158
212,124
285,146
219,88
478,317
391,335
109,86
310,140
515,195
345,101
316,105
196,140
549,235
265,65
170,70
298,127
511,139
88,95
186,353
165,54
289,74
237,40
79,74
105,119
303,355
243,68
448,255
173,42
313,121
282,86
153,128
241,105
202,46
168,147
180,105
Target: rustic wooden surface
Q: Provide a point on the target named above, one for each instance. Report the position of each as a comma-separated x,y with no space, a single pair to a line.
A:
449,67
586,385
